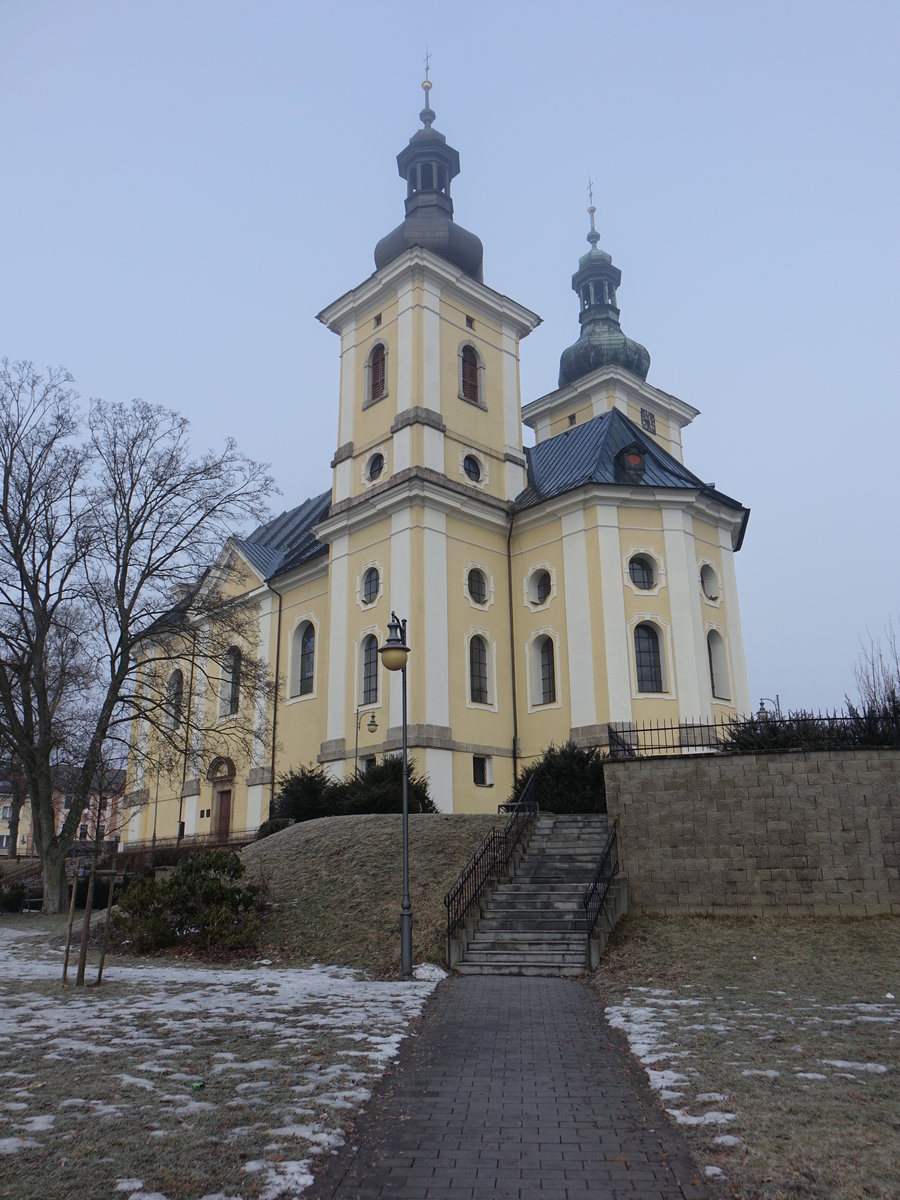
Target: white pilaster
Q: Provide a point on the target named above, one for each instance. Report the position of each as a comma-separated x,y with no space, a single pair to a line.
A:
254,806
191,808
688,643
437,677
348,382
512,416
258,755
343,480
434,449
735,642
337,638
615,636
401,451
439,769
405,348
400,602
431,321
578,620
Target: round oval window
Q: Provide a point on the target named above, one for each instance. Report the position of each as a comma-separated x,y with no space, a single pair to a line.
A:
709,581
376,465
477,586
472,468
641,571
370,585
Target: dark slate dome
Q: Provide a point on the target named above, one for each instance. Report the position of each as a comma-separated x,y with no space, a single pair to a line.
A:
428,164
602,341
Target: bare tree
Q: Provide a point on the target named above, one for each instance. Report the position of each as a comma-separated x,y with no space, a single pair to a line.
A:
877,669
108,524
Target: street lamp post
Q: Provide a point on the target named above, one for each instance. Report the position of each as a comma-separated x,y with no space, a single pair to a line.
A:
394,654
372,727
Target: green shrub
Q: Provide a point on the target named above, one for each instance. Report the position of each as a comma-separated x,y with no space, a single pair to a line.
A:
568,779
202,903
273,825
303,795
12,897
308,793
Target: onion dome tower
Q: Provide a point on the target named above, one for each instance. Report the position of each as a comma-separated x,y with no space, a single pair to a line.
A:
602,341
428,164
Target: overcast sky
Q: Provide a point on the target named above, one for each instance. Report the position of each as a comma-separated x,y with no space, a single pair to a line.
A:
187,184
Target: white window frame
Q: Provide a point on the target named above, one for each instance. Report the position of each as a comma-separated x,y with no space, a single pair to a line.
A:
659,568
727,701
483,464
385,470
532,604
364,605
491,705
533,673
714,567
307,618
369,631
481,402
666,660
472,565
368,399
488,771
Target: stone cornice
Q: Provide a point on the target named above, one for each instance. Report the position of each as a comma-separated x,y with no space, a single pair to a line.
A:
419,261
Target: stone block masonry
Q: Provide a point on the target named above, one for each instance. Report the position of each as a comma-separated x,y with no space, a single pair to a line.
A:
794,832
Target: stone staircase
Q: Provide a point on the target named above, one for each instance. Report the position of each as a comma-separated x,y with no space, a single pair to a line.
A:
535,924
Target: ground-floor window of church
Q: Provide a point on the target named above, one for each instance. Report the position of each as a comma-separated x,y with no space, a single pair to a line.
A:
481,770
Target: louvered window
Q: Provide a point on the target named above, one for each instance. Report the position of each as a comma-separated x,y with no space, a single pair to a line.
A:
470,374
377,373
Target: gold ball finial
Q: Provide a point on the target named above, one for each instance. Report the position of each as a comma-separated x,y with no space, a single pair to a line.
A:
426,86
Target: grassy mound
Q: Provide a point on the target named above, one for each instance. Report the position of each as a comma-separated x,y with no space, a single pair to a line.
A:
333,887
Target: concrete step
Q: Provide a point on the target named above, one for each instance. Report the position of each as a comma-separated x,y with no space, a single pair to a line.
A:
532,970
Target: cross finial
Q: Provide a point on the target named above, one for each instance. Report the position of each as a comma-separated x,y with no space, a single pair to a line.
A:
426,115
593,237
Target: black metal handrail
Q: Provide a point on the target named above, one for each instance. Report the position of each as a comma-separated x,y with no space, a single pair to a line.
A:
607,868
490,860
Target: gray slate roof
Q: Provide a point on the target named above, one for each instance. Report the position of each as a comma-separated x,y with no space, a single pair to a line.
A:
586,454
287,540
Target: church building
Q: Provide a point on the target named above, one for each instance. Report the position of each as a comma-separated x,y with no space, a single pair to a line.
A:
550,591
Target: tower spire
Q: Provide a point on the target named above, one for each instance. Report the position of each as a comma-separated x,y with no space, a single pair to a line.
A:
427,115
593,237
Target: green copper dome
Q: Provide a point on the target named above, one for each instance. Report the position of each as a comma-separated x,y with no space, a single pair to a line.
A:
602,341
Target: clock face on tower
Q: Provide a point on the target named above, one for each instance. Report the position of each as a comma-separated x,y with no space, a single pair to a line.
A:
648,420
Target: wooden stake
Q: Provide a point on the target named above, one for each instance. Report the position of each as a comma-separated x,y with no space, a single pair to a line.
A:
69,928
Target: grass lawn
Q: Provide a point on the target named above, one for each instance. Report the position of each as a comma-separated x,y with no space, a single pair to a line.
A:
774,1043
334,887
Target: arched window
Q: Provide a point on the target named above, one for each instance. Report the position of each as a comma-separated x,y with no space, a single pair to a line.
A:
377,373
229,698
478,670
369,673
303,659
640,569
647,660
174,699
469,382
718,666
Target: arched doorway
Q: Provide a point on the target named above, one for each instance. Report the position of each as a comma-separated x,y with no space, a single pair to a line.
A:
221,775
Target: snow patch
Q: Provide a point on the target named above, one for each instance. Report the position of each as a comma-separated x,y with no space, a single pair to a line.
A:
707,1118
873,1068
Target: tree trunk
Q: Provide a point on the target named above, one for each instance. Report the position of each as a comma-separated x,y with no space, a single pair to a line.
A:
53,874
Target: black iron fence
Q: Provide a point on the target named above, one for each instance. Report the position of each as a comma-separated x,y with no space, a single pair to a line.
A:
763,732
490,860
607,868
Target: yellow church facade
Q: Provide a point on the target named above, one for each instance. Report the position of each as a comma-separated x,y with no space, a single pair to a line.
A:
550,591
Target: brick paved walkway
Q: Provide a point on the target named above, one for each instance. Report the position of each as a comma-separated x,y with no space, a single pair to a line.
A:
514,1088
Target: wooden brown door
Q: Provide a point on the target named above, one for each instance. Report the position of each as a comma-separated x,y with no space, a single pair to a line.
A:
223,820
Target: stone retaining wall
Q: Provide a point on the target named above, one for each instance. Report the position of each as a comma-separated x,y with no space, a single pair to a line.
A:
797,832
